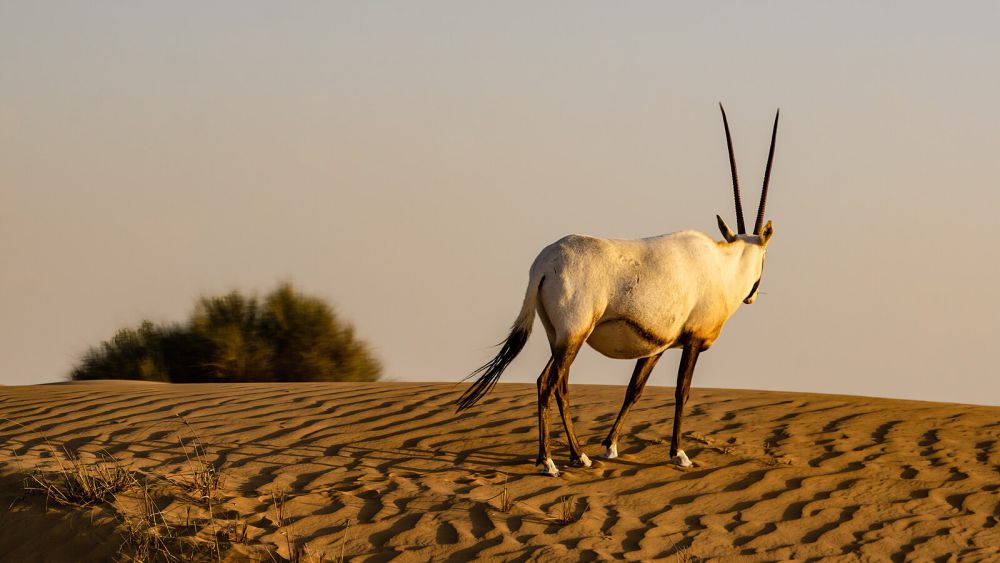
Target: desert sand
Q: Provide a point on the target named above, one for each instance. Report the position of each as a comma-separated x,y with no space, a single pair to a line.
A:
388,471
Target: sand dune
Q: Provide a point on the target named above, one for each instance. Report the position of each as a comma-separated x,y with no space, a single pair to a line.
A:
388,471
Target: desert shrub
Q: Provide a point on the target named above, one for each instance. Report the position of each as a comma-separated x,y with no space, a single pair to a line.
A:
287,336
230,328
305,338
130,354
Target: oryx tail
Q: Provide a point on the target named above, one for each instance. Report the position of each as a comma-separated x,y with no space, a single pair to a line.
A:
490,372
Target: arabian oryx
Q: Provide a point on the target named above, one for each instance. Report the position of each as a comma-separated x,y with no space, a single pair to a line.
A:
633,299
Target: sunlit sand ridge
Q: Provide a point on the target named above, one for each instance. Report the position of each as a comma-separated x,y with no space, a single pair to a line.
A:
388,471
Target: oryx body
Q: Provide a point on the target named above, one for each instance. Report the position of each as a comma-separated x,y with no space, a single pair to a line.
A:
631,299
648,295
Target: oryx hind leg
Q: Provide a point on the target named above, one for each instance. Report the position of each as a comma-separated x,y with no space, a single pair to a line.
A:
640,375
549,382
568,323
545,387
576,455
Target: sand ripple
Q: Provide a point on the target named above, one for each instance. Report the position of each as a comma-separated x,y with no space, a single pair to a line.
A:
777,475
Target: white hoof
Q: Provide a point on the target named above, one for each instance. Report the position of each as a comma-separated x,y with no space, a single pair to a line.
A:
584,460
612,452
681,459
549,468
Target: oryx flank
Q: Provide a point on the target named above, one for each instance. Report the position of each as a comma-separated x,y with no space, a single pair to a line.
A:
633,299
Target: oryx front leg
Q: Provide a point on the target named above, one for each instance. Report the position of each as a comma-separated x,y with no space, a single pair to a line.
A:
639,377
684,374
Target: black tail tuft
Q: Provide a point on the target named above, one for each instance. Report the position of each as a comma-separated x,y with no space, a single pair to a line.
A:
492,369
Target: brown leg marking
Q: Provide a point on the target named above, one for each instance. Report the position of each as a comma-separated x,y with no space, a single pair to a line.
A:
684,373
640,374
562,399
544,394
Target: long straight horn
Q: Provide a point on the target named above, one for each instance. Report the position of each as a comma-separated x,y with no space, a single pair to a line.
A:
736,181
767,178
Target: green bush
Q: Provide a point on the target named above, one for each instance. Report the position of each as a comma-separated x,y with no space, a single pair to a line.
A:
286,337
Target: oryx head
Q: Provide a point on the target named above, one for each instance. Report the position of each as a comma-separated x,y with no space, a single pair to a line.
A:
761,232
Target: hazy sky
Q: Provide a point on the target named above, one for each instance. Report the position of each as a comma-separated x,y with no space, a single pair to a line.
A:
408,160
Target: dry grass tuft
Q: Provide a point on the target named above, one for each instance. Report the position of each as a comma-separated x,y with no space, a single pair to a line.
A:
147,535
700,438
343,542
76,482
239,533
684,555
566,513
505,499
206,476
295,553
278,504
81,483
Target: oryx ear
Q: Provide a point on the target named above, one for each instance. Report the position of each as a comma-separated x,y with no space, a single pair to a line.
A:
766,233
727,233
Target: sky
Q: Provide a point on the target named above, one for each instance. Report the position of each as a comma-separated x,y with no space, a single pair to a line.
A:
407,161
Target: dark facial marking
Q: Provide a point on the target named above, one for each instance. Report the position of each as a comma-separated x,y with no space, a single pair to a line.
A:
753,289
